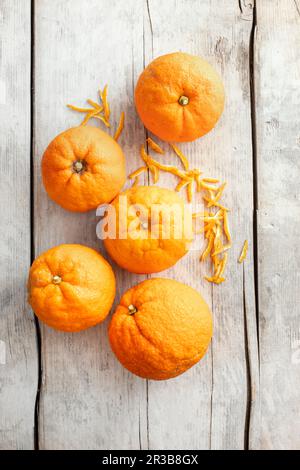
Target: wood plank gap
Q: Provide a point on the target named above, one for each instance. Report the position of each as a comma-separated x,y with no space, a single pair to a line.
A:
248,370
212,375
254,164
253,373
144,65
277,71
147,400
32,247
150,24
297,7
148,276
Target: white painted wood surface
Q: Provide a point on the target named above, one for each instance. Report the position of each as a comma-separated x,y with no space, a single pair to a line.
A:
18,351
87,400
277,78
202,401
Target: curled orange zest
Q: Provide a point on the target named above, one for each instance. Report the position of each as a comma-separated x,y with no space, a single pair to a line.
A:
136,181
207,250
137,172
103,96
95,105
154,146
215,228
80,110
155,172
182,157
244,251
102,118
226,228
120,126
190,191
210,180
222,249
97,110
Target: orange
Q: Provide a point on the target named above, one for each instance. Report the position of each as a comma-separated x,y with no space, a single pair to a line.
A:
71,287
160,329
82,168
179,97
150,234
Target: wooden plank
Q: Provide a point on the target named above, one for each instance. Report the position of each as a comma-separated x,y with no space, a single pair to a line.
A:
95,403
88,401
209,406
277,107
18,352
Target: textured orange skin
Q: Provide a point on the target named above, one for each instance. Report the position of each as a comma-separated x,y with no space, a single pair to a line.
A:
164,81
85,295
169,333
104,176
149,255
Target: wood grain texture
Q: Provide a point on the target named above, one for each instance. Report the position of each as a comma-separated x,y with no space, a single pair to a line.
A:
88,401
277,110
18,351
95,403
209,406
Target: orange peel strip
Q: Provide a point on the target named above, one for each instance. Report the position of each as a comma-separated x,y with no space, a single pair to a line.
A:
136,181
216,261
154,146
120,126
182,157
90,115
217,239
223,265
226,227
190,191
195,173
155,173
207,186
93,112
215,217
222,249
215,280
80,110
102,118
168,168
95,105
208,227
208,248
217,195
244,251
181,185
195,215
103,96
210,180
220,206
137,172
144,154
218,270
198,183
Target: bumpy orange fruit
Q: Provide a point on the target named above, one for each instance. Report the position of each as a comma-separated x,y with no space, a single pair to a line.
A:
179,97
150,234
71,287
82,168
160,329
